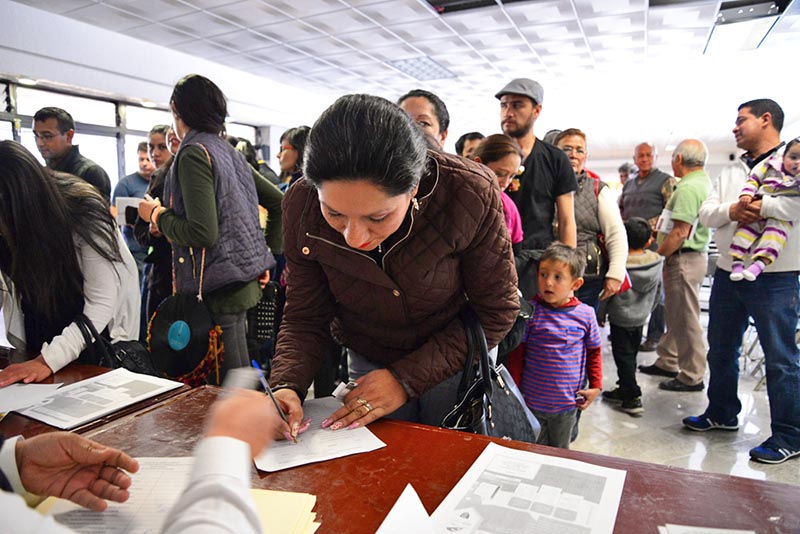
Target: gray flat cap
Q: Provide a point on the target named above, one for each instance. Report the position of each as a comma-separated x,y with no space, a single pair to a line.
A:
525,87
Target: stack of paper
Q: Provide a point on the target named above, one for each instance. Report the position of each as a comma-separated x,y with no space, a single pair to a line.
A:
157,486
20,396
90,399
285,512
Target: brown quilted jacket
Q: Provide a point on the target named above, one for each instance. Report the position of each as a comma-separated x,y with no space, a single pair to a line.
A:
402,314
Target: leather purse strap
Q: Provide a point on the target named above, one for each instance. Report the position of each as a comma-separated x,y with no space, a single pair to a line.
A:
476,340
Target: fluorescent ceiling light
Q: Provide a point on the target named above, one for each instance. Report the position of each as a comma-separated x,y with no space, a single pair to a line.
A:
745,35
422,68
26,81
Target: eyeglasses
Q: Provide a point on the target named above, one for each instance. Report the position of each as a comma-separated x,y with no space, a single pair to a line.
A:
46,136
569,149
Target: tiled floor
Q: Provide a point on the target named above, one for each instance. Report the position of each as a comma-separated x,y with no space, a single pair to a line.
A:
659,437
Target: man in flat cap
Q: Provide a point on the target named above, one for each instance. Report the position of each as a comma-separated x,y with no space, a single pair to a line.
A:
547,182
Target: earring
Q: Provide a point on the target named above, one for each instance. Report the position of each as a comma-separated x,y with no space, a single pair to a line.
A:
415,203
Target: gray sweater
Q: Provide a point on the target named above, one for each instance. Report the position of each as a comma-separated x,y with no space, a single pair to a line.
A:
631,308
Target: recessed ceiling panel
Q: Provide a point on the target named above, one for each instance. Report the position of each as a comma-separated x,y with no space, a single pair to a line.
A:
693,15
159,34
595,8
278,54
306,8
350,59
107,17
340,22
387,53
324,46
632,41
203,48
505,54
370,39
571,47
57,6
498,39
154,9
250,13
436,46
289,31
397,12
423,30
463,58
243,40
202,24
600,26
485,19
533,13
552,32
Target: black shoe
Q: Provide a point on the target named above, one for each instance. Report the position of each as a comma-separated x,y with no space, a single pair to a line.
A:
657,371
632,406
648,346
677,385
613,396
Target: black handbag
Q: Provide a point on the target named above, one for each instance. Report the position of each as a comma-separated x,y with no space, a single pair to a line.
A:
488,401
130,355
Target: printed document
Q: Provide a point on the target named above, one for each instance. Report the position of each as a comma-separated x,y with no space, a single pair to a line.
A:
90,399
19,396
318,444
507,490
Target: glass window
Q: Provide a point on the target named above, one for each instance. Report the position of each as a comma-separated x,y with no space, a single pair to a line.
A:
144,119
6,131
100,149
29,101
240,130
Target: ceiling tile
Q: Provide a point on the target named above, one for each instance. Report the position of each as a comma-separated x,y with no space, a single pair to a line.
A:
106,17
308,65
594,8
289,31
154,9
397,11
203,49
626,23
687,37
202,24
451,44
240,61
369,39
250,13
464,58
374,71
280,54
552,32
350,59
503,54
634,41
386,53
693,15
571,47
324,46
530,13
339,22
244,40
422,30
57,6
477,20
498,39
159,34
306,8
201,4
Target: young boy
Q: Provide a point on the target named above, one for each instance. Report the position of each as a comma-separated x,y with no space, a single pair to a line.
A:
627,312
562,346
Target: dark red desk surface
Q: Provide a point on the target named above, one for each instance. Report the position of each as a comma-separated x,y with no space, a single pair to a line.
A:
14,424
355,493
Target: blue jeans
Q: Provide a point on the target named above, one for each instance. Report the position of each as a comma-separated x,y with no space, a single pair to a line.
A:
773,302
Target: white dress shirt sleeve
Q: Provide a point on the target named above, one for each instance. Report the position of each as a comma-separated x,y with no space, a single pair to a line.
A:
217,498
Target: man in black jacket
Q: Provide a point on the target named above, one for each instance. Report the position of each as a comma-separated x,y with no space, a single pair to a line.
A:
53,129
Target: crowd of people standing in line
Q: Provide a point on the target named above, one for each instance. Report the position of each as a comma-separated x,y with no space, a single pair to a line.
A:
386,238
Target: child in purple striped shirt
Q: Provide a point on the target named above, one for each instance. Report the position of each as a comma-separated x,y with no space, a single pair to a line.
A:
562,347
764,239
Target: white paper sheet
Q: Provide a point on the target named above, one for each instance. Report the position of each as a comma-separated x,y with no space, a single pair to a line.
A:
154,490
122,203
91,399
318,444
509,490
407,515
20,396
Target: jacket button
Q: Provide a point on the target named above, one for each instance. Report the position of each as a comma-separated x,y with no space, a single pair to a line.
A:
181,260
396,293
306,251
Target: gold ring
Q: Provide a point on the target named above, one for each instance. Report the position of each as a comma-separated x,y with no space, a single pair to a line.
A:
365,404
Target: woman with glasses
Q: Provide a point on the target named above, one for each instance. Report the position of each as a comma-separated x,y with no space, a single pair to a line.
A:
61,255
388,242
290,156
601,233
